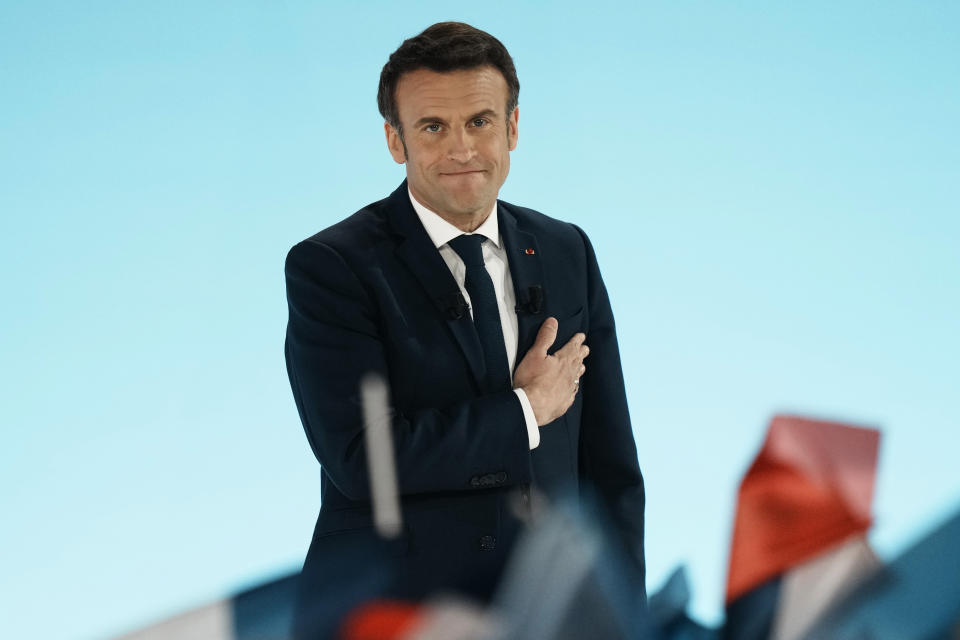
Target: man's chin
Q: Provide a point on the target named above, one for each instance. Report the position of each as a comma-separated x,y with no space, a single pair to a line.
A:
462,203
470,208
472,201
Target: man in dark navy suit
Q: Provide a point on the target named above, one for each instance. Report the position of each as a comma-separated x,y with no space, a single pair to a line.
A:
480,315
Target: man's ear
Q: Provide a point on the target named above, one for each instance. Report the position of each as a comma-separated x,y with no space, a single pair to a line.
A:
395,143
512,131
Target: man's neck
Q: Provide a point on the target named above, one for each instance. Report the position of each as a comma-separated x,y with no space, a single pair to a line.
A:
441,231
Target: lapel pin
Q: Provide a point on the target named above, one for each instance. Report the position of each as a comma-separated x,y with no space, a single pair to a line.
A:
530,252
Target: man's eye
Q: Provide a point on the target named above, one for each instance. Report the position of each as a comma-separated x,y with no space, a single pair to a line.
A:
432,128
479,122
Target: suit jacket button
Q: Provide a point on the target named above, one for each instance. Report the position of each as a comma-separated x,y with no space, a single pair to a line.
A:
501,477
488,543
475,482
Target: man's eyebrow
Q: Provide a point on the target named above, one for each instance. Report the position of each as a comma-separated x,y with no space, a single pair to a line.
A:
428,120
486,113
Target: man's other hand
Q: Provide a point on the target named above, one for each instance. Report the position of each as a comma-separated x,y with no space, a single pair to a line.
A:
551,382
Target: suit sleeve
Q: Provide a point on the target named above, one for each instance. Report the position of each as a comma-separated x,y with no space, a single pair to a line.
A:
608,451
333,339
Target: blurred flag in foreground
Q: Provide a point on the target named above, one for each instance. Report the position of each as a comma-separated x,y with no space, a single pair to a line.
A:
915,596
264,612
799,535
800,569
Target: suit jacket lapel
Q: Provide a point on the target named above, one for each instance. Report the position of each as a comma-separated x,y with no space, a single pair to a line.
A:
418,253
526,269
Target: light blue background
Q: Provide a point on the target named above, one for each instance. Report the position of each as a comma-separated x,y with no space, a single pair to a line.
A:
772,193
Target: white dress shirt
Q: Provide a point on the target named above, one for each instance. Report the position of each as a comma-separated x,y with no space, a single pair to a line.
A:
495,260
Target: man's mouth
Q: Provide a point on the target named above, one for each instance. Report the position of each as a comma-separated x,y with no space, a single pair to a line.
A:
461,173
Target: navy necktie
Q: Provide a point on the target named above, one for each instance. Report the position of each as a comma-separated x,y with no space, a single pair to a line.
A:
486,313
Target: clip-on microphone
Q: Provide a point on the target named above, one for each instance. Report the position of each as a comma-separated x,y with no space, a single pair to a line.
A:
533,301
455,304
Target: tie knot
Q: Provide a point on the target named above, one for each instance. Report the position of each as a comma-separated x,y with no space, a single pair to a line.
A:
468,248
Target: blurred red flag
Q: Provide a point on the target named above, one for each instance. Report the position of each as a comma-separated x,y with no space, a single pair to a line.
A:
381,620
810,487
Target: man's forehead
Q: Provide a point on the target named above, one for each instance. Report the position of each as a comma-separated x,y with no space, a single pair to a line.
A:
463,90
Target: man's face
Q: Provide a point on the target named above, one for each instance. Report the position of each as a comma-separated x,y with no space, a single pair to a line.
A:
456,140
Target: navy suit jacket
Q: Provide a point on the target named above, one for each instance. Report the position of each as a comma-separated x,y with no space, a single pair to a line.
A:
372,293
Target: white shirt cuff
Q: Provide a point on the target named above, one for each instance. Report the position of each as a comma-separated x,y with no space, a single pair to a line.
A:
533,430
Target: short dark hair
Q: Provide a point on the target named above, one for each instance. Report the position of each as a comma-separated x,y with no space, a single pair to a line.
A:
442,47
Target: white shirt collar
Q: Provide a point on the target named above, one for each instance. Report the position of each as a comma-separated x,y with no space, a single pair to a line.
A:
442,232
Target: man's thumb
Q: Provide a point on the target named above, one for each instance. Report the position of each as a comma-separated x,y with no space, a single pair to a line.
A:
546,336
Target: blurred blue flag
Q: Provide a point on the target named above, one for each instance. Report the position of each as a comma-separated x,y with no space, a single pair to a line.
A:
915,596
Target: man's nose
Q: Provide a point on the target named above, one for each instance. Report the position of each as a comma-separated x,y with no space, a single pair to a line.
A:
461,148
